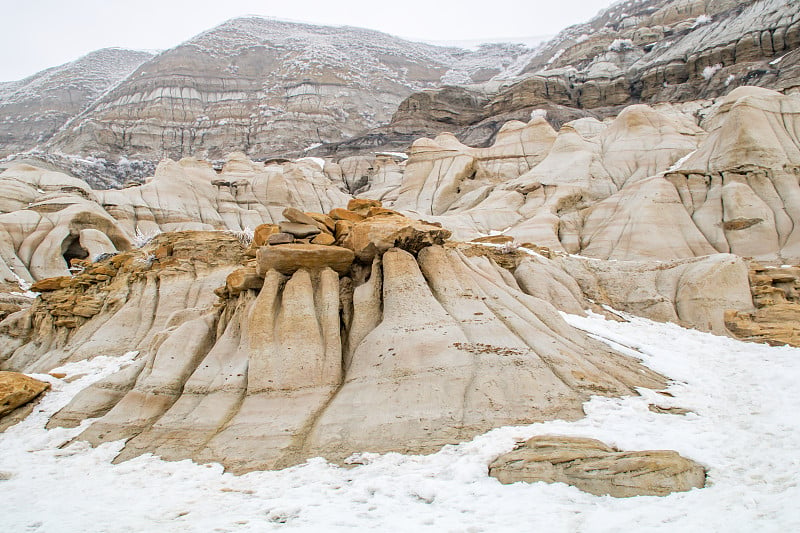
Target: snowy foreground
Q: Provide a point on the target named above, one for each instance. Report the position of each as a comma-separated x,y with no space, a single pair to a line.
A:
745,428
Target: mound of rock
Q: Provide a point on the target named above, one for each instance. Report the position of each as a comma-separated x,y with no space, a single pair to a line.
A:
599,469
18,389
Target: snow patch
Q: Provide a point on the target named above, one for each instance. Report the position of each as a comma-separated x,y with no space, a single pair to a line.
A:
709,71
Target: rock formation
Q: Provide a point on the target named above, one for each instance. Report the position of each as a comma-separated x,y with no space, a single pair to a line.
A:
445,341
609,190
597,468
777,315
18,389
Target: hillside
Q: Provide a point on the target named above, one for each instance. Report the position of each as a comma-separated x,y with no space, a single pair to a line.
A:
268,87
32,110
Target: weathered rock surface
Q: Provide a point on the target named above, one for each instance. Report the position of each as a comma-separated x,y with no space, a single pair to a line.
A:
289,258
48,218
374,235
650,184
301,363
599,469
776,319
692,292
18,389
121,303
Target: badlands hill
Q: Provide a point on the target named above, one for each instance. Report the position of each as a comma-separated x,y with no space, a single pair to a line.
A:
34,109
268,87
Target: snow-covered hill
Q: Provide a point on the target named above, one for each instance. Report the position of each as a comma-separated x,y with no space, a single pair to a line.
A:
34,108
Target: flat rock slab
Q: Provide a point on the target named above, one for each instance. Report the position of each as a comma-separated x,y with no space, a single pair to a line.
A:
597,468
289,258
18,389
299,230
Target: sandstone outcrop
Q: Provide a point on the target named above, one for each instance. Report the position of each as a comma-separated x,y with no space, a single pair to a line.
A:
18,389
599,469
48,218
776,318
289,258
121,303
447,343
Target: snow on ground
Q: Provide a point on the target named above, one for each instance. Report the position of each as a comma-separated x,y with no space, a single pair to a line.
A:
744,427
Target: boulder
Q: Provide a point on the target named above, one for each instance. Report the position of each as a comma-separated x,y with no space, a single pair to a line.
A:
50,284
243,279
18,389
289,258
375,235
362,205
344,214
597,468
263,232
300,231
280,238
325,220
324,239
292,214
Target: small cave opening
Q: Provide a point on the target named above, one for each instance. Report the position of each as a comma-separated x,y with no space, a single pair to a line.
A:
72,249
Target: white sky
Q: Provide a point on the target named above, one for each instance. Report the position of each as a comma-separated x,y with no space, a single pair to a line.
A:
38,34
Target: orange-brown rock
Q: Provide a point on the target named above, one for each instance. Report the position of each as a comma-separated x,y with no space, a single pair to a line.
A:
50,284
262,233
163,251
375,235
599,469
325,239
344,214
374,211
289,258
293,214
243,279
362,205
325,220
18,389
343,228
776,319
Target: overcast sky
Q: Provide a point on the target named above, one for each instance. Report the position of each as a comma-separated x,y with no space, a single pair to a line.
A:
38,34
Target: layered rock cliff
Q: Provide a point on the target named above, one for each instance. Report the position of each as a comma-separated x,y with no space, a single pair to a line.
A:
268,87
633,52
32,110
